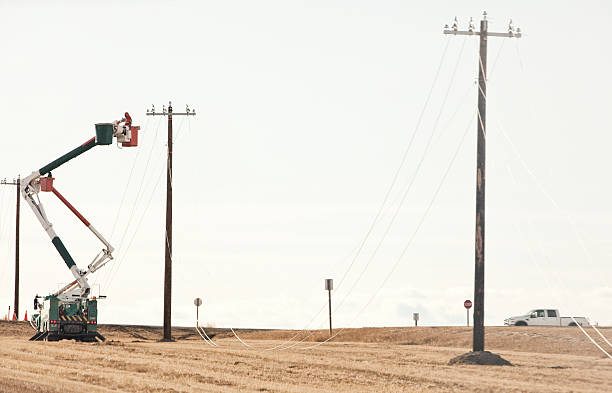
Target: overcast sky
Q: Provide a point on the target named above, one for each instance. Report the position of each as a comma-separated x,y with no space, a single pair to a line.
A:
304,110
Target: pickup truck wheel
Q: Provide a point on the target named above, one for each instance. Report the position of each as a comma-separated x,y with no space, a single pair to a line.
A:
521,323
572,324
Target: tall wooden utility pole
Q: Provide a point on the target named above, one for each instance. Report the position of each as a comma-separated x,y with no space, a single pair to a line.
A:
168,234
16,183
478,340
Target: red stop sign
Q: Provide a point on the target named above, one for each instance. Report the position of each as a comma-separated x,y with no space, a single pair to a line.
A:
467,304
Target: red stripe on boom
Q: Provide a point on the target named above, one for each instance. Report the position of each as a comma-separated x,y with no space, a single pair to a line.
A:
72,209
89,141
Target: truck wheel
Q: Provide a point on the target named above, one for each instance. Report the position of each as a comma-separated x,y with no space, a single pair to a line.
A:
521,323
572,324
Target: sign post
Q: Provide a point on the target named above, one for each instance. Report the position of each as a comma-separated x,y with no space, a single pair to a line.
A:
198,302
415,316
329,285
468,304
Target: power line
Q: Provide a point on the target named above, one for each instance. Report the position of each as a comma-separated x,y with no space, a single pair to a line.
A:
389,189
411,238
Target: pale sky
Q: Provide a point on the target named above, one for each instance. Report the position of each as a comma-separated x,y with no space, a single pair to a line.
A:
304,110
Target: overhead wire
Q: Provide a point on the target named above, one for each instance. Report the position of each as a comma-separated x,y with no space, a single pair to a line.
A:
556,205
410,240
556,277
573,225
146,208
4,224
403,198
435,126
404,195
115,267
128,181
125,190
391,186
401,165
410,184
426,150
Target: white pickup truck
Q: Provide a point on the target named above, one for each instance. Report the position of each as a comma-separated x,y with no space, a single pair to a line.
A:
545,317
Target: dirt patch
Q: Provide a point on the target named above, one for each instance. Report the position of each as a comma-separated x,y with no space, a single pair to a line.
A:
482,358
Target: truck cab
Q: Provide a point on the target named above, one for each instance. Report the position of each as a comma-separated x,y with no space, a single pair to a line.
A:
543,317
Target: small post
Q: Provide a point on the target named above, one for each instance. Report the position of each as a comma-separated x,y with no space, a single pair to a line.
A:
415,316
468,304
329,285
198,302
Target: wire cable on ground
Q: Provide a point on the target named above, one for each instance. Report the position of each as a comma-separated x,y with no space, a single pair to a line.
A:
204,335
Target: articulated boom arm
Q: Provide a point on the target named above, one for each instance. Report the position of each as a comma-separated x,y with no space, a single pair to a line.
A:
32,185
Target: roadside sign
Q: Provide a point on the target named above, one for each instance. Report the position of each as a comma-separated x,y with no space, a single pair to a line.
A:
329,286
468,304
197,302
415,316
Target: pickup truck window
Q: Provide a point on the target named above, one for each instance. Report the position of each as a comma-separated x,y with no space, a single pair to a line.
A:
552,313
540,313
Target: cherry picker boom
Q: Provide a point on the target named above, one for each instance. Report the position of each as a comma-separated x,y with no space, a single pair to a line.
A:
70,312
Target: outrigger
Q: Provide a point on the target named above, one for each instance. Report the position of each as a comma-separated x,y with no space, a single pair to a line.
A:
71,312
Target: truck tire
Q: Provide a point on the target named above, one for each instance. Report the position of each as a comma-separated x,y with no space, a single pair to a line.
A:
521,323
572,324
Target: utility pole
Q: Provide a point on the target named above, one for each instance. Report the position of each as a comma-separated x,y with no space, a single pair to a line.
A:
17,183
168,234
478,339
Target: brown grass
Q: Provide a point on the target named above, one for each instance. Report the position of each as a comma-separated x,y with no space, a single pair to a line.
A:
359,360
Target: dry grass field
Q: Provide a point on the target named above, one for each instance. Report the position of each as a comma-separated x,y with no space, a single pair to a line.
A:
359,360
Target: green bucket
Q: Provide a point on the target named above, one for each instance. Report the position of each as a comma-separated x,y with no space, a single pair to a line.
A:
104,134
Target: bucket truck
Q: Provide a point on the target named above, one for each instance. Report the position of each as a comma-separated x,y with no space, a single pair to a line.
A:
71,312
